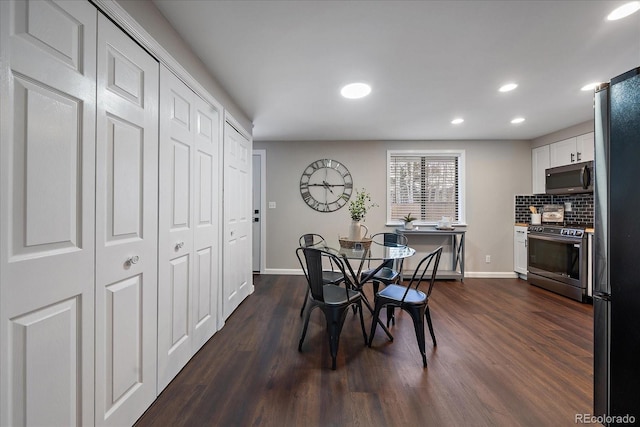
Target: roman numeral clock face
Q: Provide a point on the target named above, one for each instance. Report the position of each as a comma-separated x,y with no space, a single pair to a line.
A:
326,185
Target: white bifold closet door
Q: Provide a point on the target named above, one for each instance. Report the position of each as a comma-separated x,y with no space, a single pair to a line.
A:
189,273
47,184
126,227
237,266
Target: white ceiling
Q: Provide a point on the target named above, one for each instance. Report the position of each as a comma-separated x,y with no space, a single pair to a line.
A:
284,62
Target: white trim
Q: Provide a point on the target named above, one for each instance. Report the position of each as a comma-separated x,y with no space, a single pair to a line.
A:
461,154
467,275
262,153
283,271
491,274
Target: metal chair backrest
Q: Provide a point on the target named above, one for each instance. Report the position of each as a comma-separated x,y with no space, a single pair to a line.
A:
311,260
421,271
310,239
391,239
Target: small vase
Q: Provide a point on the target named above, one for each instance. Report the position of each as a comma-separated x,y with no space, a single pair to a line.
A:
408,225
355,231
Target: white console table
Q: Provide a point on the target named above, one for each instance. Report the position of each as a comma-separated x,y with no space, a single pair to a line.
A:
457,248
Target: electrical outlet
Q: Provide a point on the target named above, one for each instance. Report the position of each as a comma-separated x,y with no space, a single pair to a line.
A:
487,259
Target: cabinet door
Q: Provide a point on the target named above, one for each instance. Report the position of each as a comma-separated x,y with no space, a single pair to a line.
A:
126,227
520,250
562,152
585,147
539,163
47,212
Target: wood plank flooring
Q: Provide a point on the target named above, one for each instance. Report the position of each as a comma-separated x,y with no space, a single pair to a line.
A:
508,354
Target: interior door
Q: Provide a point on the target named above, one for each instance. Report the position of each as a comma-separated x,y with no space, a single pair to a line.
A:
47,183
188,253
256,203
126,227
237,219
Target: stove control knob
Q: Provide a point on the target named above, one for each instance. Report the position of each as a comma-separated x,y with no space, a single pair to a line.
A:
563,232
579,233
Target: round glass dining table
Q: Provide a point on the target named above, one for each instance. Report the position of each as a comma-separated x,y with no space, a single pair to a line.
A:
378,251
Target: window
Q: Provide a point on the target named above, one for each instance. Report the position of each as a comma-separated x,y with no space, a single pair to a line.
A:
426,184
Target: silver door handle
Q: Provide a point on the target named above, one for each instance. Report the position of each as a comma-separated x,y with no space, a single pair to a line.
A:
133,260
179,245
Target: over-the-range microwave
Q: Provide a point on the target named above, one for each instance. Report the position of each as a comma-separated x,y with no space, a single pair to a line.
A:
570,179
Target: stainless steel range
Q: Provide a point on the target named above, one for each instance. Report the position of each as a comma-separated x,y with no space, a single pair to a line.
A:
558,259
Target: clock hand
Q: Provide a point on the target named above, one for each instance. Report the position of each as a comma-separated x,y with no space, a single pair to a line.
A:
328,186
325,185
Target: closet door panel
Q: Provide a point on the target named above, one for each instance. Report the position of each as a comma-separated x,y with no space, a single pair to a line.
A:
47,212
126,227
206,222
187,301
175,285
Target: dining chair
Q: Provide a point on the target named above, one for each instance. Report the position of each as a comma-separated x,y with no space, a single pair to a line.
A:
333,300
412,300
391,272
332,276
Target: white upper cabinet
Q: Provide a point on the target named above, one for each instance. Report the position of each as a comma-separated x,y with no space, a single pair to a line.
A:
573,150
585,147
539,163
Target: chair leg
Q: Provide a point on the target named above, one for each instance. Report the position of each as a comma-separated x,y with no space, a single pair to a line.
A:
335,321
305,325
391,316
417,314
364,333
376,286
427,314
304,303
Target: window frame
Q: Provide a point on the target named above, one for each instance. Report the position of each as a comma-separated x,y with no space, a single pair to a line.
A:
460,154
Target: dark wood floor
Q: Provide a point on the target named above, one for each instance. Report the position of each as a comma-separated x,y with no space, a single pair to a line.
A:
508,354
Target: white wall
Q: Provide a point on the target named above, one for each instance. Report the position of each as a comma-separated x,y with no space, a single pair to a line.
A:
149,17
495,172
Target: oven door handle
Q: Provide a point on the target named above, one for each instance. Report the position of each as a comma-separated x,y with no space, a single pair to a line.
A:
562,239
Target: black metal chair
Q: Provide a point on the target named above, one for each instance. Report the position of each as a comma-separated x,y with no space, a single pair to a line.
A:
412,300
333,300
391,272
330,277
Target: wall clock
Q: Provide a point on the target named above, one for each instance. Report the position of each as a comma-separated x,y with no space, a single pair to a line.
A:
326,185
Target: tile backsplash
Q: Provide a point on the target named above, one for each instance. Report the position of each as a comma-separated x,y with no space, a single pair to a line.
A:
581,207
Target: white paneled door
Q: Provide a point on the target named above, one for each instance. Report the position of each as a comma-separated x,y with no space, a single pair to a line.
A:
47,184
237,283
189,271
126,227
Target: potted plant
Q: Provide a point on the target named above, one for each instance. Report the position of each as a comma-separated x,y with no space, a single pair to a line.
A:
358,209
408,221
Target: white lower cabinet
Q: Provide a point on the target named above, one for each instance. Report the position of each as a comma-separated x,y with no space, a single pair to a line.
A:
520,251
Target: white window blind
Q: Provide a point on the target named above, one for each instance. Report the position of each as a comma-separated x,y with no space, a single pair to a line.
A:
425,185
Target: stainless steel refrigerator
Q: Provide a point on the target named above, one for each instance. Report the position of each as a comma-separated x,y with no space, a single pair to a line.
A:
616,293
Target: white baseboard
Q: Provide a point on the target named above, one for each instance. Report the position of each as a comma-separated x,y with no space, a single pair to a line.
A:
467,274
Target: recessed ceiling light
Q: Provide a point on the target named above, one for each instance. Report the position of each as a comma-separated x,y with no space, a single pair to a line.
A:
356,90
517,120
590,86
508,87
624,11
457,121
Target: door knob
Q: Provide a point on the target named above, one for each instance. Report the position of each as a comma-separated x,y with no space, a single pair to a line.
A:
179,245
133,260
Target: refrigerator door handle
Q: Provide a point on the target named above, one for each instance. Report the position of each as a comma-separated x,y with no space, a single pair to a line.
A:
602,295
